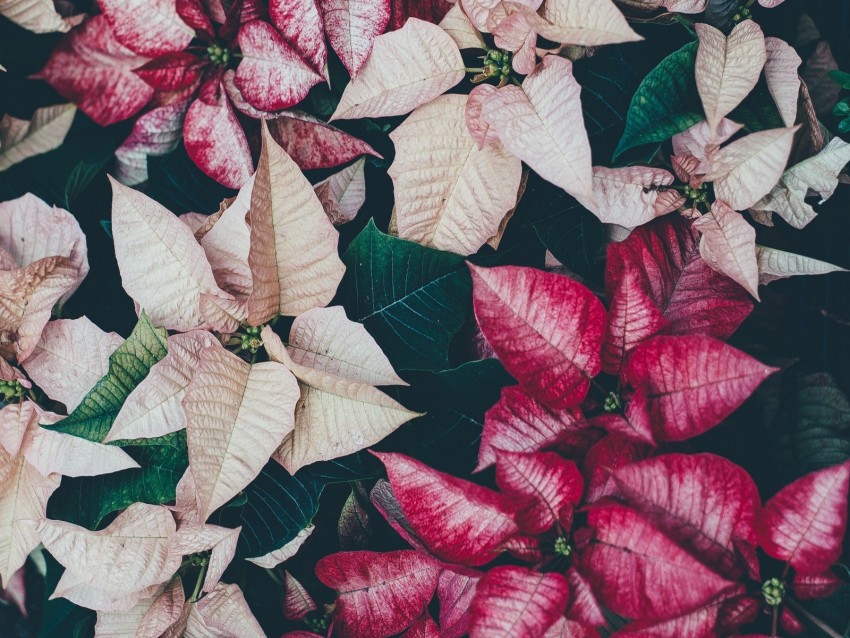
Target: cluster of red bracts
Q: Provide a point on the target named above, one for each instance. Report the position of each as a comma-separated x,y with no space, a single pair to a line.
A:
595,513
186,67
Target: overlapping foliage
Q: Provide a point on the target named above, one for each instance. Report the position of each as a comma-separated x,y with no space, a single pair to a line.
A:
448,319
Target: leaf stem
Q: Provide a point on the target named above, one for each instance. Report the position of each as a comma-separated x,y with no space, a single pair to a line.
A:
475,69
774,626
817,622
201,575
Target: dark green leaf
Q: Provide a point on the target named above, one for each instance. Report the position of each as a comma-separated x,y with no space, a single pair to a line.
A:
446,437
81,175
412,299
665,103
61,618
815,421
128,365
719,13
844,125
758,111
60,175
572,233
842,107
176,183
278,506
88,500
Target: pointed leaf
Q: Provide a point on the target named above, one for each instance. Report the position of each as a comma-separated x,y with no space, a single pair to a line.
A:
379,594
324,339
727,68
163,268
584,23
128,365
336,415
459,27
780,71
300,24
519,423
149,28
449,194
664,256
545,132
237,415
818,173
219,541
23,498
728,244
343,193
293,255
297,603
609,453
287,551
691,383
271,75
777,264
641,573
94,70
632,318
747,169
544,485
137,541
33,230
406,68
46,130
165,611
665,103
312,143
804,524
702,501
153,408
71,357
515,602
214,138
545,328
352,26
470,523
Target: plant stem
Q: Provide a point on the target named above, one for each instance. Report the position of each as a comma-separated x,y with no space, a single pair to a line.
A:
474,69
817,622
201,575
774,626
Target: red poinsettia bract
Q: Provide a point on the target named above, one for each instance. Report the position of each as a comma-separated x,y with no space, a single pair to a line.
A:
690,551
191,63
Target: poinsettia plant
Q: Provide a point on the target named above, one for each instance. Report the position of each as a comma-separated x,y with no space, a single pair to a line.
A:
442,319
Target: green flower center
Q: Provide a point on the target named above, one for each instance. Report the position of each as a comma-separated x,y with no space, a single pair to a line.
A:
11,390
613,402
562,547
773,591
218,55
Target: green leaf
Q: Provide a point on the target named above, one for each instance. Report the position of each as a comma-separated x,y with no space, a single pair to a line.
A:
844,125
842,107
412,299
88,500
176,183
815,421
665,103
840,77
446,437
718,13
573,234
61,618
81,176
128,365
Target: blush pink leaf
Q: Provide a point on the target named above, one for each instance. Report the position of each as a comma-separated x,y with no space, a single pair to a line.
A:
352,26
